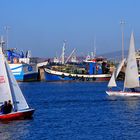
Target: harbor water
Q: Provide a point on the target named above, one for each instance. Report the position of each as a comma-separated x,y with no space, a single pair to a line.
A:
74,111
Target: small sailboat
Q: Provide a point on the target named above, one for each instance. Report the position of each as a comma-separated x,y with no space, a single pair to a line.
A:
9,90
131,82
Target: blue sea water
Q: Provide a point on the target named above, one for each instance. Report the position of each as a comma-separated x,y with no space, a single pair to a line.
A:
75,111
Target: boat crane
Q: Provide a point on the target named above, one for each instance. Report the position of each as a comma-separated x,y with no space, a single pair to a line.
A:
70,55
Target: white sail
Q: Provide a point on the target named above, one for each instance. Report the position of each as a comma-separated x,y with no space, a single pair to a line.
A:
112,82
120,67
18,98
131,73
5,93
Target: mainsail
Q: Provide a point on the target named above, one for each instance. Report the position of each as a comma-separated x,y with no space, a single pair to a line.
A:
5,92
131,73
18,98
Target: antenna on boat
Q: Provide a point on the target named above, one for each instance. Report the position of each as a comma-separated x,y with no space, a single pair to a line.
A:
94,52
6,28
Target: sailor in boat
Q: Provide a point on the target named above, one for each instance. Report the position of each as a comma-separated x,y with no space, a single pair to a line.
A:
2,108
9,107
6,107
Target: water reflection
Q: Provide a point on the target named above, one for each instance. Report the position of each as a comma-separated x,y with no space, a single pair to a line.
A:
14,129
131,102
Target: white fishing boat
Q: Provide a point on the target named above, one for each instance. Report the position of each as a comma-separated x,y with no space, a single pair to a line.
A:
131,82
9,90
21,65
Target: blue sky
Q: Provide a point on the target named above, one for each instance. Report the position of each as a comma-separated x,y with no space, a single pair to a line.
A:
42,25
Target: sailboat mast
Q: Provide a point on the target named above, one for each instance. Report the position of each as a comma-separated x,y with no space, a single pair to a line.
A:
122,22
63,52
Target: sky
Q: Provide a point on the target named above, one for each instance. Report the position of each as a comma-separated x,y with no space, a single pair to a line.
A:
42,25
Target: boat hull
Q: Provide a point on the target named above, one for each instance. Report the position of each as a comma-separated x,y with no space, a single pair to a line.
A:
24,72
123,94
26,77
17,115
51,75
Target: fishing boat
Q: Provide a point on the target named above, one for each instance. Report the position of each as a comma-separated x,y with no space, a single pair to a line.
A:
92,70
20,63
131,82
9,90
52,75
71,69
23,69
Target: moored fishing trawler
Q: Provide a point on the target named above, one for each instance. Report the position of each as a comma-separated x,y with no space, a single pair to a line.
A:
93,69
131,82
10,91
51,75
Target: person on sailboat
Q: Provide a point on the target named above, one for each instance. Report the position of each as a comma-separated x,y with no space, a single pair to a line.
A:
4,108
9,107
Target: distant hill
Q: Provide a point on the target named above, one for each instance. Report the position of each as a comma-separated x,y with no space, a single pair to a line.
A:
117,55
114,56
